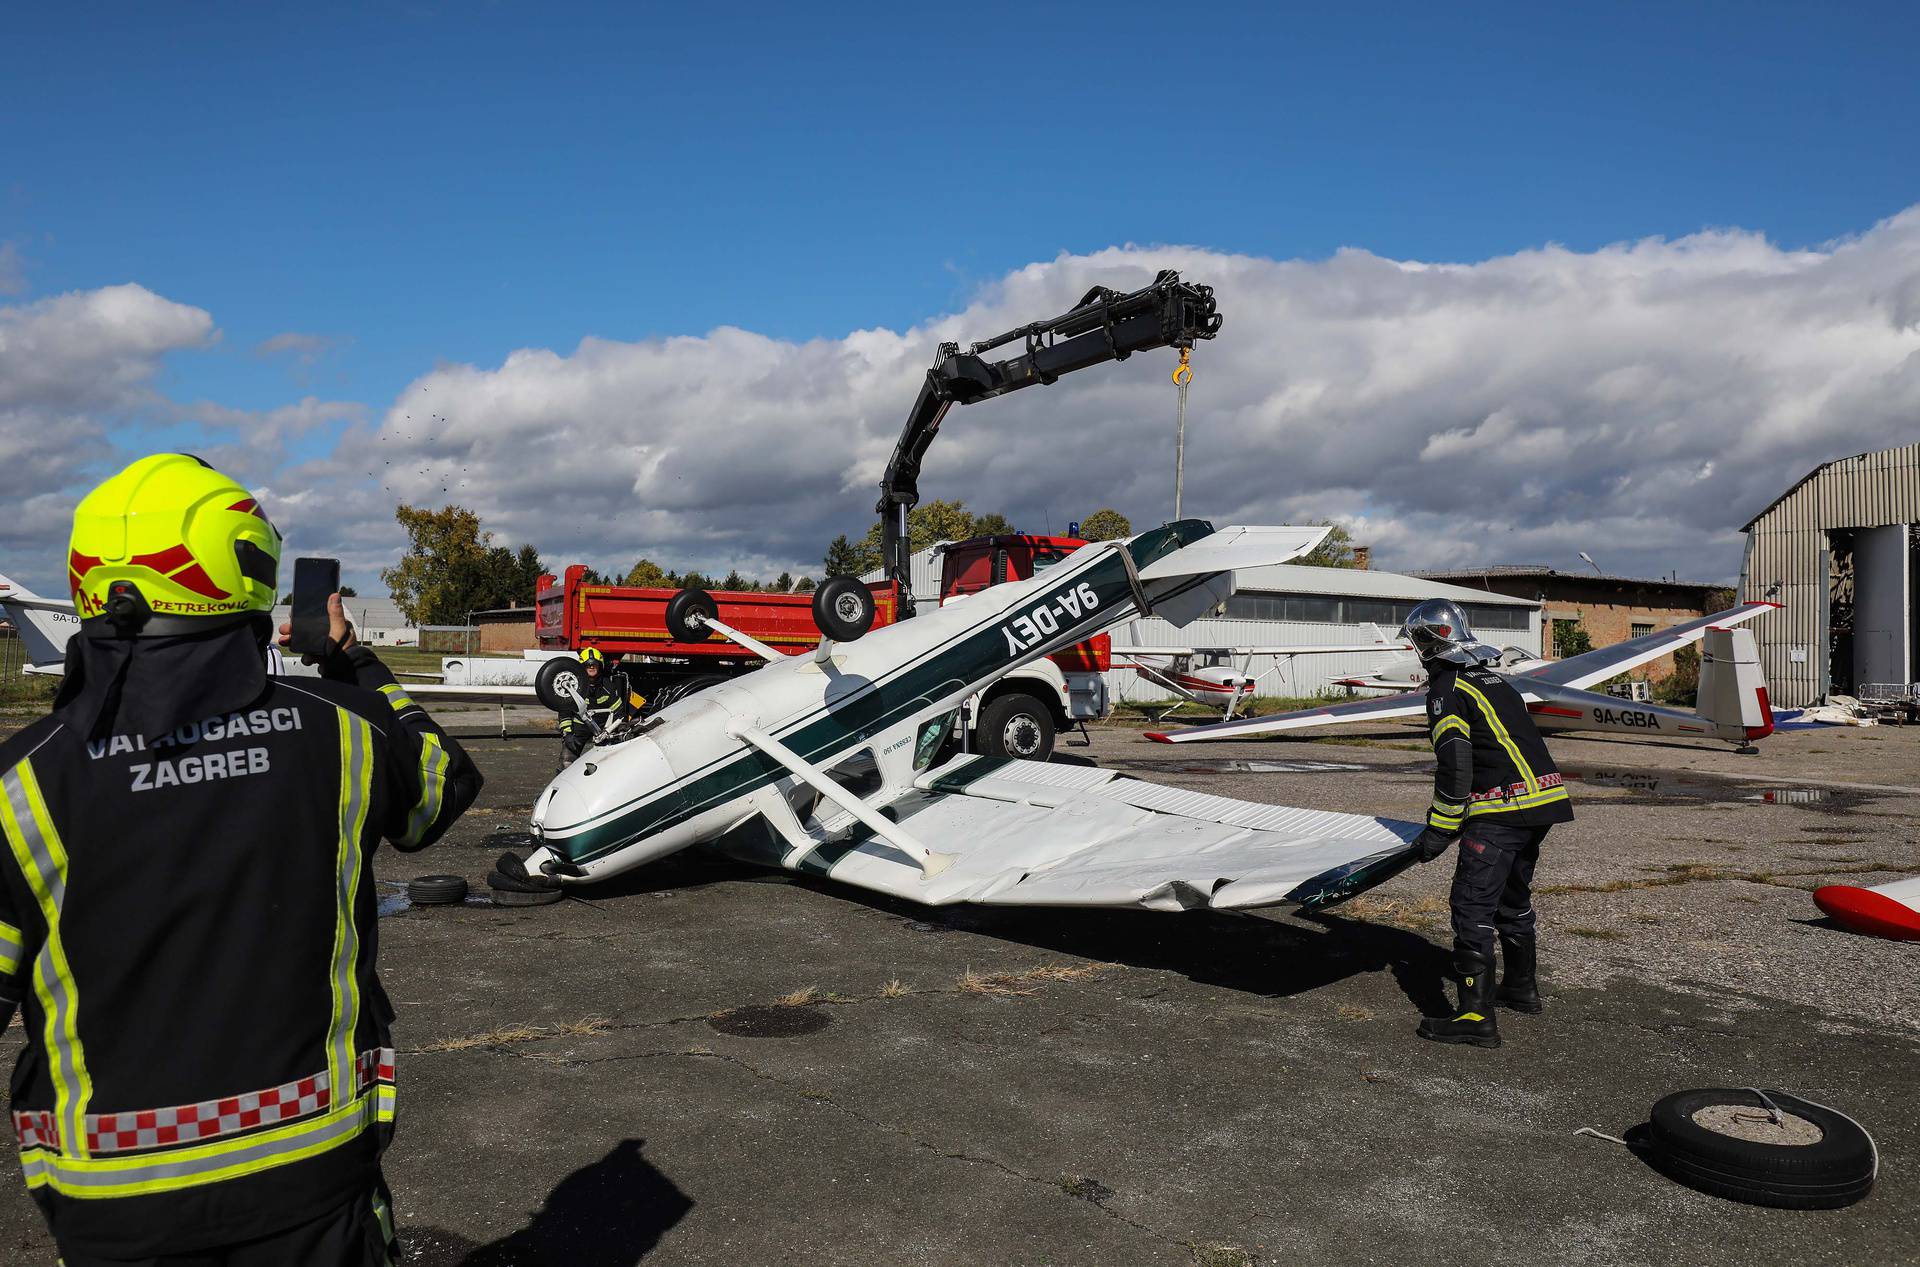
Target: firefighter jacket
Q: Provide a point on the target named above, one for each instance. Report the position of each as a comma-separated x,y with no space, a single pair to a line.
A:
609,699
187,920
1490,763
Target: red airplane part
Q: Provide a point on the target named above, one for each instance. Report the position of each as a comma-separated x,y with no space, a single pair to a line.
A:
1887,910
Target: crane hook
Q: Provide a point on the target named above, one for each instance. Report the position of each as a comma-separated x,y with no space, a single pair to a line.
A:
1183,373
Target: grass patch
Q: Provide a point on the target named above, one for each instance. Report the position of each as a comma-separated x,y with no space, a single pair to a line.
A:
508,1035
1413,914
1018,984
1351,1012
895,989
799,998
1598,934
1220,1256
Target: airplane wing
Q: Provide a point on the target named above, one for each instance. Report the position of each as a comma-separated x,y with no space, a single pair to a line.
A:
1598,666
1024,833
1313,648
1580,671
1408,704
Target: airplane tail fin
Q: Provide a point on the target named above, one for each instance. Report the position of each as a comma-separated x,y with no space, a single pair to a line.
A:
1186,568
44,624
1733,690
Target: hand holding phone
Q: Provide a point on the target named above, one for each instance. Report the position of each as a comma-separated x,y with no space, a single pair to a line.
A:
315,582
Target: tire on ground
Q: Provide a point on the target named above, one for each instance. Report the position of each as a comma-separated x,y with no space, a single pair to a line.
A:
546,683
1016,725
681,609
843,608
1834,1170
437,890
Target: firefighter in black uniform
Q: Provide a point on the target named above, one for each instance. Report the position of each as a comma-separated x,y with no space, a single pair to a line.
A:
1497,792
608,696
187,902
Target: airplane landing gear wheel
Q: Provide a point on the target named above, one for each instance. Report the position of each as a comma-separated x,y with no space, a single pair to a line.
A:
843,608
550,683
1018,726
1773,1149
682,607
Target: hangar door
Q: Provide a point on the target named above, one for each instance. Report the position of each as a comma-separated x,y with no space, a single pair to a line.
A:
1883,603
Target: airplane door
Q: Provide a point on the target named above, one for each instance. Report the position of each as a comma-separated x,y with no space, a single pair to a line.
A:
1881,606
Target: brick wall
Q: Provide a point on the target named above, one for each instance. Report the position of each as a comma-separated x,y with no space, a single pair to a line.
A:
505,634
1607,610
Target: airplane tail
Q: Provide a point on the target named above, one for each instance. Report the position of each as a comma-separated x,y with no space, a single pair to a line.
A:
44,624
1733,690
1186,568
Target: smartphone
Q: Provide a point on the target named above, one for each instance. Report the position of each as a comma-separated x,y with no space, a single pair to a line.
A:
314,581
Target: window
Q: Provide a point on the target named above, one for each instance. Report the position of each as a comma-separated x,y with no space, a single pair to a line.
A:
1496,616
1385,612
1641,629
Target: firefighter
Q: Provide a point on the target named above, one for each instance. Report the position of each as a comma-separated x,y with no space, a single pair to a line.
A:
608,697
1496,792
187,900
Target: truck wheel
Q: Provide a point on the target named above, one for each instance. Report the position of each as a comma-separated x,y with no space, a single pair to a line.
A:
1016,725
684,605
843,608
548,682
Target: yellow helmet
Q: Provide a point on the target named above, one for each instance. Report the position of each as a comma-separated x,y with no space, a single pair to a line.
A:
167,540
593,655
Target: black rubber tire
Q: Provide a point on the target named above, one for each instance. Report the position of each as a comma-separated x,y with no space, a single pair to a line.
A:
684,605
546,684
1016,725
843,608
1835,1170
437,890
534,897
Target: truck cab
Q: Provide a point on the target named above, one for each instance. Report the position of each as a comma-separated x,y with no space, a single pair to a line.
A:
1023,713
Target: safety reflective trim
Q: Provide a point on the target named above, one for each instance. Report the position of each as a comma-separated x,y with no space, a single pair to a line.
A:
383,1215
43,861
1500,733
434,764
397,697
1469,1016
1448,822
1549,796
12,946
142,1174
1451,723
356,788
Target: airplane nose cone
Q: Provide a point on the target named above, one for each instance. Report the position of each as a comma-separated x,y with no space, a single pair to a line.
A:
561,805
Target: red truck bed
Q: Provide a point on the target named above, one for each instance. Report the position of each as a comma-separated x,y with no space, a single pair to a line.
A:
632,620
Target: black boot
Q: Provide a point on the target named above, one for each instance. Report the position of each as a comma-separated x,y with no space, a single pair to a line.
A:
1519,989
1473,1022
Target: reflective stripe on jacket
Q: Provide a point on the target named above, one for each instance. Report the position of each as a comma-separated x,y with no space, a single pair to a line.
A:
1488,755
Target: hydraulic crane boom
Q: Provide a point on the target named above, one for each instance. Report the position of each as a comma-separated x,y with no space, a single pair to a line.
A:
1104,326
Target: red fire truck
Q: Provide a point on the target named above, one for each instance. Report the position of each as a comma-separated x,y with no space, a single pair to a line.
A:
1019,716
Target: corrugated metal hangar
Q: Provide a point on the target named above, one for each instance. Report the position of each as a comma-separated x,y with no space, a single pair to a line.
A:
1841,549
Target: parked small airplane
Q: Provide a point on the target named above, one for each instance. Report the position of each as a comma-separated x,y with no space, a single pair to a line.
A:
830,763
1733,692
45,625
1885,910
1215,681
1406,673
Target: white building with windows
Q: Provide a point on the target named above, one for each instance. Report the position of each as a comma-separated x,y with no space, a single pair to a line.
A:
1293,605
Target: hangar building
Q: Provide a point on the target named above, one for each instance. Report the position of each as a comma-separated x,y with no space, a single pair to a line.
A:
1841,549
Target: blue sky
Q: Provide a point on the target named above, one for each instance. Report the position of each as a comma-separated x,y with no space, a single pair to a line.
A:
409,186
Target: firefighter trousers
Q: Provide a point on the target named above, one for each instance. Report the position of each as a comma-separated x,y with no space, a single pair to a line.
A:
1493,886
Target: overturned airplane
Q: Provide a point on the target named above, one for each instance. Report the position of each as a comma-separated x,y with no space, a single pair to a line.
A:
831,764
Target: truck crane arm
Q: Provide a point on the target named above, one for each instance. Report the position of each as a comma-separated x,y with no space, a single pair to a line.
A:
1104,326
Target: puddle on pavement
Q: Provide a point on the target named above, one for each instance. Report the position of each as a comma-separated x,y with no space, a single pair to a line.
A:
1204,765
1690,788
770,1021
396,902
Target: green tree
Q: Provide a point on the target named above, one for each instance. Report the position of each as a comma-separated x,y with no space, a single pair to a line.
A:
1570,639
783,583
1682,686
992,524
1334,552
647,574
452,568
847,559
804,585
347,591
1105,525
697,581
734,581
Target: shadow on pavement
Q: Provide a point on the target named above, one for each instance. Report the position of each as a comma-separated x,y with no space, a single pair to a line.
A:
608,1214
